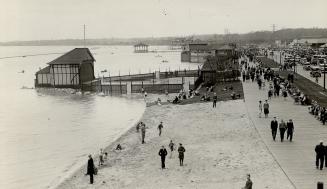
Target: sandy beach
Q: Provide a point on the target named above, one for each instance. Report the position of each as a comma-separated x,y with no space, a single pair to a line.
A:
221,148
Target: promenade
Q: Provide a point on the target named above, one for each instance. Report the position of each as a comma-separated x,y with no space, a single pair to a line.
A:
297,158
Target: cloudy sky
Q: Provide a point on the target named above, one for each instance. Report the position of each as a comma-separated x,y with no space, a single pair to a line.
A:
61,19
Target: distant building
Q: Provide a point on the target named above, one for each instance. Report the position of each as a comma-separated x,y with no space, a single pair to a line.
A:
195,52
70,70
312,42
141,48
198,52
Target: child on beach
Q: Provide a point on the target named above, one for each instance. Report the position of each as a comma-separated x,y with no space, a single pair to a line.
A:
101,157
171,147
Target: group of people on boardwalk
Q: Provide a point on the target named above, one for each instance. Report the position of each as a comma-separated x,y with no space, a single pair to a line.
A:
321,155
318,111
283,127
286,86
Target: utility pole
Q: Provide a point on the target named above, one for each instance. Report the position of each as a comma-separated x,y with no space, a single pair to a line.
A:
324,75
84,34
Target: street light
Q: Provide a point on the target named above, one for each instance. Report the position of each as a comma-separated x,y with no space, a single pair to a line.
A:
324,74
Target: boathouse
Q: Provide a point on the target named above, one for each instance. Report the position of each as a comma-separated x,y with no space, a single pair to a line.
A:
141,48
70,70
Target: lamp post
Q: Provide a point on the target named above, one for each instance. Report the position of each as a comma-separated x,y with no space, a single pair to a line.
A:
294,64
324,75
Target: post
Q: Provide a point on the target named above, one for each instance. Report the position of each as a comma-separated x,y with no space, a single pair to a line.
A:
320,185
280,57
294,64
121,92
324,77
110,84
84,35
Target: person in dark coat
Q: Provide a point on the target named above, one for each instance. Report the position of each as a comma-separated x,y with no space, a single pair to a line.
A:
160,126
163,153
274,127
181,151
249,183
90,168
266,108
282,129
320,153
214,100
326,156
290,129
143,130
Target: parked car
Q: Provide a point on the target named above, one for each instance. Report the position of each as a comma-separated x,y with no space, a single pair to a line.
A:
307,67
315,74
315,68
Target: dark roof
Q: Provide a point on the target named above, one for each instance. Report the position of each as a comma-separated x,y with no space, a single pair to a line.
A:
199,46
140,44
217,64
45,70
75,56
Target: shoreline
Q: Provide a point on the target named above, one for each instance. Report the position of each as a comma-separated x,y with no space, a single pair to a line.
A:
80,167
215,166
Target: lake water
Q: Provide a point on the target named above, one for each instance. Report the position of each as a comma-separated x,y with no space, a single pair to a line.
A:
44,136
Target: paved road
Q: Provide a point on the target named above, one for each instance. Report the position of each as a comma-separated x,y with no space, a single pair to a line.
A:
296,158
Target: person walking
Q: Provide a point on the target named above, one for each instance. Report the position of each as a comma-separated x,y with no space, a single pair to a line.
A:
214,104
163,153
260,108
266,108
243,75
320,153
290,129
171,147
326,156
90,168
282,129
181,151
160,126
143,130
249,183
274,127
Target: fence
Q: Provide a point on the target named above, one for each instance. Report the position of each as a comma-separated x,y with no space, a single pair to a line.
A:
157,88
123,88
147,76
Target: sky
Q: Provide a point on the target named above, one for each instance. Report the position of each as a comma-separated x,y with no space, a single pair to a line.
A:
63,19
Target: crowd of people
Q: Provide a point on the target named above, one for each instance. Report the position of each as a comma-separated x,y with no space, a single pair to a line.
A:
318,112
92,169
277,86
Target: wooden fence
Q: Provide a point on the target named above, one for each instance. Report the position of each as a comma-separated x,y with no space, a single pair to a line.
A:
123,88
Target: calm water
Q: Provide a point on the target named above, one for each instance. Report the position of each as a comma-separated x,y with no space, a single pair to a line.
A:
44,136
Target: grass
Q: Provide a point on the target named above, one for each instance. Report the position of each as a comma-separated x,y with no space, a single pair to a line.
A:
221,94
308,87
267,63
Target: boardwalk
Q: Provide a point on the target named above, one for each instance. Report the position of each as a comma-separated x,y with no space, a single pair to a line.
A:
297,159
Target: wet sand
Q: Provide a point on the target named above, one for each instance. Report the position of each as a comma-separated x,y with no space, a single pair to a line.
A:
221,148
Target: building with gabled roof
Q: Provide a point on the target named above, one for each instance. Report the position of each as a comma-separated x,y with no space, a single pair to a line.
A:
70,70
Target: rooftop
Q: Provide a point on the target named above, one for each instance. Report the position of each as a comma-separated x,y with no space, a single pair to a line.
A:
45,70
140,44
75,56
